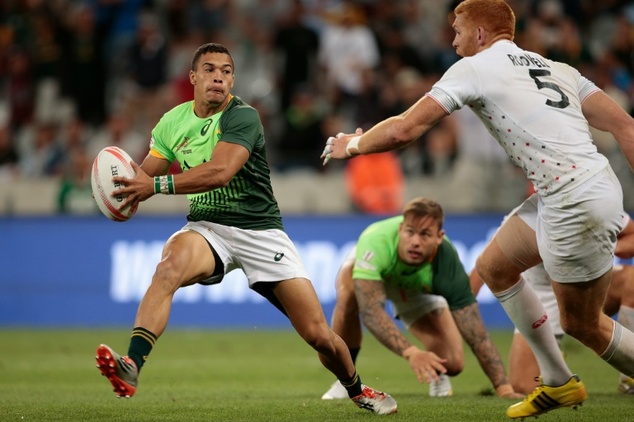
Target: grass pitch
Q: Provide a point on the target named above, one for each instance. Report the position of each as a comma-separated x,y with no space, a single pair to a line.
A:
198,375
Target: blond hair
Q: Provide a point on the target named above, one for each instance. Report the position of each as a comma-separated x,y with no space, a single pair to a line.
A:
425,207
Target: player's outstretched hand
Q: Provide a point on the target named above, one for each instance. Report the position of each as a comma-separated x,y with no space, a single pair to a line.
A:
426,365
339,146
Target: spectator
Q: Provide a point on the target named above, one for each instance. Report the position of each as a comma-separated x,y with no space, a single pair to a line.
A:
20,88
147,72
375,183
348,51
44,158
85,71
118,131
302,137
75,190
297,45
9,159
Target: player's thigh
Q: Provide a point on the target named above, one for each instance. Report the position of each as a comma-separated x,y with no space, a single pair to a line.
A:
187,257
512,250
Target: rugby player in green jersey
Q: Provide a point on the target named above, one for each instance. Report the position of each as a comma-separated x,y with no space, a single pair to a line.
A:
409,261
234,222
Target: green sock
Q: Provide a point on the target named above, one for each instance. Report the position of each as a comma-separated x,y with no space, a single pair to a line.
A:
141,344
352,385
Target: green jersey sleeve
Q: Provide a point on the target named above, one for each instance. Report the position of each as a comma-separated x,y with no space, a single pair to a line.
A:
450,279
241,125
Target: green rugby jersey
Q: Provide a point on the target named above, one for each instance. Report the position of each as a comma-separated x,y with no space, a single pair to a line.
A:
247,202
377,259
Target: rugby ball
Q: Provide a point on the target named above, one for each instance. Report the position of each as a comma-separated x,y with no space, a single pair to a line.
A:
110,162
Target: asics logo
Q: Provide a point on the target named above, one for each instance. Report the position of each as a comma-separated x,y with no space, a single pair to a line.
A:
540,321
278,256
205,128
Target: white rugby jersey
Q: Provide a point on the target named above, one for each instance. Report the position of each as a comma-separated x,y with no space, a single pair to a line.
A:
532,106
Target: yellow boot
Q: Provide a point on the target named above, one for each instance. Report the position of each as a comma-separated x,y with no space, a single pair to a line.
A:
546,398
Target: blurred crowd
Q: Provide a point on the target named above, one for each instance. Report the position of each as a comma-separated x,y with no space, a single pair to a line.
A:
78,75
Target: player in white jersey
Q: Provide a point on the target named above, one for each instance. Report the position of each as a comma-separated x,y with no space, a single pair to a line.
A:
523,368
540,112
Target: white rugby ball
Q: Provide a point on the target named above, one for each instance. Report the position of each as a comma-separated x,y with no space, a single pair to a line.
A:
111,161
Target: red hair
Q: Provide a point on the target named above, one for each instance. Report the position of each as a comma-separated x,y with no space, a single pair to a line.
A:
496,16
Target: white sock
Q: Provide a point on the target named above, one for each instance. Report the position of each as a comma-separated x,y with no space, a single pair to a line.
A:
524,308
626,319
620,352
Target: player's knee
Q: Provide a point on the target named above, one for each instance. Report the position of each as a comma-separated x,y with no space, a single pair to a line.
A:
454,366
167,276
496,277
320,338
487,272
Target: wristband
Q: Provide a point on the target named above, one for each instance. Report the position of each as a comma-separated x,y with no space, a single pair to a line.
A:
353,144
164,185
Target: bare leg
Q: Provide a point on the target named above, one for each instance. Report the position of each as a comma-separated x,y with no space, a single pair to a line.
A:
345,316
186,259
580,306
513,250
438,332
523,367
307,317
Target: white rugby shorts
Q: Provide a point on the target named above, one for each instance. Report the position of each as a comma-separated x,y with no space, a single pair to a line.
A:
577,230
263,255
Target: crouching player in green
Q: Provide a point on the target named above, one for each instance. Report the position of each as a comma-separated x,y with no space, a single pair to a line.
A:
409,261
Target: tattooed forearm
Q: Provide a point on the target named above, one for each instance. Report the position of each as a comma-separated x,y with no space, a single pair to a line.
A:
371,299
472,328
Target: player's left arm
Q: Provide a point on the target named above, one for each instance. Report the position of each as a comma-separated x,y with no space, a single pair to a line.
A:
471,326
603,113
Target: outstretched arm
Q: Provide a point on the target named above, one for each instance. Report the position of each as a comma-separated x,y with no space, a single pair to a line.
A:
371,298
392,133
472,329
